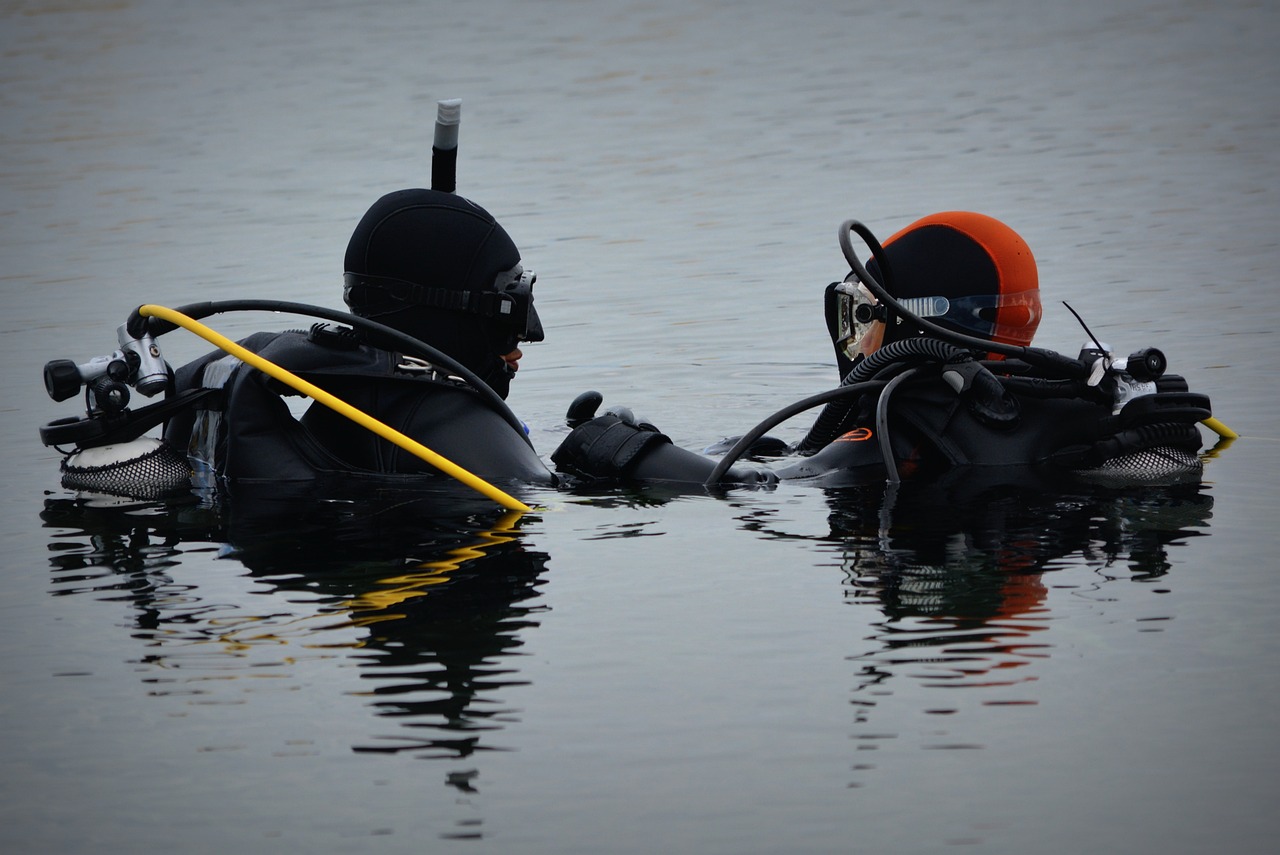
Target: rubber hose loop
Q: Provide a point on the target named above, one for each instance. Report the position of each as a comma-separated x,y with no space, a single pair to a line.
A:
835,418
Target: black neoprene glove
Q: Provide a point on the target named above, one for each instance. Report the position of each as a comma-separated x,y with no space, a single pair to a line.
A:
606,447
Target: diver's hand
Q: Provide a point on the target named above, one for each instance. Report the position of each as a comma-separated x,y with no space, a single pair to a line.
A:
607,446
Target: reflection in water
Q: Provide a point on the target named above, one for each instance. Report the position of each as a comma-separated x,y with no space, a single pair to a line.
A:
431,607
957,569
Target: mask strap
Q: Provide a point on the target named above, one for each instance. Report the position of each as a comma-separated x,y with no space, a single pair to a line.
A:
489,304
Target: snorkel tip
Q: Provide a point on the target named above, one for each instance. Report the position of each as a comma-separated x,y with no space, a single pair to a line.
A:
448,116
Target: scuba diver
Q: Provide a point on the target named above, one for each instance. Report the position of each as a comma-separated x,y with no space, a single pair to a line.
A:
429,264
933,346
440,306
410,383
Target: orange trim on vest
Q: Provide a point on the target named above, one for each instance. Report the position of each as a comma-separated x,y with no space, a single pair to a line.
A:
858,434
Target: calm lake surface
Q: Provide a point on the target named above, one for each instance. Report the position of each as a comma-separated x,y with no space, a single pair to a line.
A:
971,667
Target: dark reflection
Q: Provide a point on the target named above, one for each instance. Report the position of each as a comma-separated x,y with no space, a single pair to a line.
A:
960,571
428,594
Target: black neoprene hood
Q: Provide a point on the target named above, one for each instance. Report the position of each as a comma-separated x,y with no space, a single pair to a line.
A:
438,241
431,238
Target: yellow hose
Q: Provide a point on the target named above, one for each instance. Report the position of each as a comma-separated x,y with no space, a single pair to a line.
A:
1219,428
342,407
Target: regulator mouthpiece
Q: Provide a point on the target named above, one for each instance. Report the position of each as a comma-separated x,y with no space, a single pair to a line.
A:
1146,364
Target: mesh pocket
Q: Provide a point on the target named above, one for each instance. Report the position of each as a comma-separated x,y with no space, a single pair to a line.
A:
1150,466
142,469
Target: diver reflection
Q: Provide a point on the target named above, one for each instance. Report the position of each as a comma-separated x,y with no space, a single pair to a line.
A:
432,608
960,571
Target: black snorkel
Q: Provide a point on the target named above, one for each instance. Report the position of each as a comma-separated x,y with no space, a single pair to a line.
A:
444,147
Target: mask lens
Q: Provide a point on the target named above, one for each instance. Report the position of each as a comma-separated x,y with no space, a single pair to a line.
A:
533,329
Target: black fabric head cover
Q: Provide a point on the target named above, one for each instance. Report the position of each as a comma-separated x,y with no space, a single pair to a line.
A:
438,240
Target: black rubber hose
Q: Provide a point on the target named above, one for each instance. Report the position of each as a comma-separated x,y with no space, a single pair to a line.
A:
746,440
834,418
882,425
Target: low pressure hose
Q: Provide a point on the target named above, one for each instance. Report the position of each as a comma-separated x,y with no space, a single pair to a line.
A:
882,425
748,439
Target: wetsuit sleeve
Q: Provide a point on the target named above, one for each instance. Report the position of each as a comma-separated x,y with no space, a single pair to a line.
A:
673,464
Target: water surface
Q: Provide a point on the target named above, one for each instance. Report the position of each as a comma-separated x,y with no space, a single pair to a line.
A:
990,667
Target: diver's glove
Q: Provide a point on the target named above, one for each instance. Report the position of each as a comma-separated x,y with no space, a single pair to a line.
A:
606,446
620,445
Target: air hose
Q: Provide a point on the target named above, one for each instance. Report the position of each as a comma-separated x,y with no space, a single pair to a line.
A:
882,424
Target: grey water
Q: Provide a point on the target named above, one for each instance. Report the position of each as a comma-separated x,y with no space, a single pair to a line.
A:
968,668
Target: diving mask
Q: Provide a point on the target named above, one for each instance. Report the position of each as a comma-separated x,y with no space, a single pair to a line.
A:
1008,318
860,319
514,306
